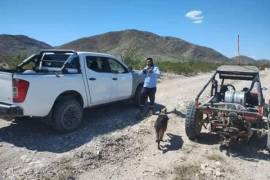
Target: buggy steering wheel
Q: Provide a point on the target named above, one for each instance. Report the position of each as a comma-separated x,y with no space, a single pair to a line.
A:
230,85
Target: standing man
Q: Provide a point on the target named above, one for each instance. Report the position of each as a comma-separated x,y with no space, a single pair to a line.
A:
151,73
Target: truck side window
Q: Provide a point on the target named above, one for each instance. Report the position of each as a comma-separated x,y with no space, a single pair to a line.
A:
73,66
116,67
98,64
74,63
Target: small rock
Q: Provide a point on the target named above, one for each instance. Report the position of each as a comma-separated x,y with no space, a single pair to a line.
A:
25,159
204,166
1,145
28,160
99,154
182,159
218,174
217,163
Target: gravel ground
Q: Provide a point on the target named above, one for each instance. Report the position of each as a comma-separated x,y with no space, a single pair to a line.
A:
113,144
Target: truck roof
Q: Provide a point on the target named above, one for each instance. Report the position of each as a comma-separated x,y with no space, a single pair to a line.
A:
78,52
95,53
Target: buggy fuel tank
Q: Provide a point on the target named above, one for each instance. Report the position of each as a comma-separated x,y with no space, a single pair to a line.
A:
235,97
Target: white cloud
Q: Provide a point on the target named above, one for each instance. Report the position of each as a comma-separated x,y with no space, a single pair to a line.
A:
195,16
197,21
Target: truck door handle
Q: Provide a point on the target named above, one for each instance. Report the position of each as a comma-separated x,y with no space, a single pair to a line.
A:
114,79
92,79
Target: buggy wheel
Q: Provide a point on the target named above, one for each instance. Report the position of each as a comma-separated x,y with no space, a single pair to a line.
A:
193,123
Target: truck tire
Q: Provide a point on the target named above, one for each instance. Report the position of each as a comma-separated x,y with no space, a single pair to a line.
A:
21,118
137,97
67,114
192,124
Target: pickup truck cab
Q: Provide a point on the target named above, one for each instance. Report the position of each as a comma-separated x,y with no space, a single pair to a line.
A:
56,85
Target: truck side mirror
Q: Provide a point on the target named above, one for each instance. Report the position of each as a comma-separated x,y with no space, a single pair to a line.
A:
130,68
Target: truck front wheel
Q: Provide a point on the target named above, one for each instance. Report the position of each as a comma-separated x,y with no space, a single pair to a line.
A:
67,114
137,97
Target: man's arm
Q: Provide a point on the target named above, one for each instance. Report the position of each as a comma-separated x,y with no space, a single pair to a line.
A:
144,71
156,71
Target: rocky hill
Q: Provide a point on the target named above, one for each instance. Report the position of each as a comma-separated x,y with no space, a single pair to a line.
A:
147,44
19,45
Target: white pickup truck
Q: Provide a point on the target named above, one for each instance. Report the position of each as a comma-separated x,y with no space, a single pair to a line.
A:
55,85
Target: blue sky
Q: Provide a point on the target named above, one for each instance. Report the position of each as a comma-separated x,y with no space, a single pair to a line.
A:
211,23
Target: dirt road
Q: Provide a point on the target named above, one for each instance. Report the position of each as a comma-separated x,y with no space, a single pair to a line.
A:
114,144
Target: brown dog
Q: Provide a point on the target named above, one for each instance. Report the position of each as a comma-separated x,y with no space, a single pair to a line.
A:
161,125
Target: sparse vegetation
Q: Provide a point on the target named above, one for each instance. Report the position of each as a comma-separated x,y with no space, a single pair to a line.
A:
188,171
188,148
13,60
133,58
187,68
215,157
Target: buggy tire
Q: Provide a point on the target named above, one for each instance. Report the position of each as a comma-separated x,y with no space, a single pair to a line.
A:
192,123
137,97
67,114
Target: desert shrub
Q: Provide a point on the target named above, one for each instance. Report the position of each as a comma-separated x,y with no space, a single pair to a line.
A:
188,171
133,59
13,60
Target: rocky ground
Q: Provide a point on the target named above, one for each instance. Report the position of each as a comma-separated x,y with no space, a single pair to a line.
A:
114,144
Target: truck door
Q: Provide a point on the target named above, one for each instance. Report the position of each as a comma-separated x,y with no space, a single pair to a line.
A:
122,80
99,79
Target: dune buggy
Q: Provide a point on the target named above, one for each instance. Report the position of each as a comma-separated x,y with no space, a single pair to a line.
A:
233,113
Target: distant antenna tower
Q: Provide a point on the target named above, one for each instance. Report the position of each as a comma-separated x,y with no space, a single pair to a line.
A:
238,49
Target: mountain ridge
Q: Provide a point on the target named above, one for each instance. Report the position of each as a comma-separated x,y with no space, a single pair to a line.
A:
148,43
118,42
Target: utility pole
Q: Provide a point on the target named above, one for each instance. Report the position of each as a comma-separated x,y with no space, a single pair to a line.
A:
238,49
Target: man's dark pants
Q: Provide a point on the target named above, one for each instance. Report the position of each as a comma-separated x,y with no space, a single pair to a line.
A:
148,92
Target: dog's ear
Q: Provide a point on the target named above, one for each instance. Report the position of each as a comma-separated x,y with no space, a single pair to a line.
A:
163,111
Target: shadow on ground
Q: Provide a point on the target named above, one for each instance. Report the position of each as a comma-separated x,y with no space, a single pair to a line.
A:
178,113
253,150
174,143
34,135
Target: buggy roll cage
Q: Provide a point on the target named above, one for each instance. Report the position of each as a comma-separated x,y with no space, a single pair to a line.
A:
251,74
37,58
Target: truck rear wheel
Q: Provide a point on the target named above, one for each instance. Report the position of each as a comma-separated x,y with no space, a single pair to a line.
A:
193,124
67,114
